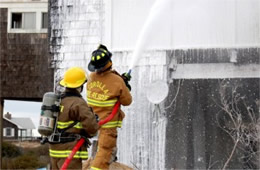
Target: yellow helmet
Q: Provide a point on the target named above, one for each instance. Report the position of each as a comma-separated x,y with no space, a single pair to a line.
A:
74,77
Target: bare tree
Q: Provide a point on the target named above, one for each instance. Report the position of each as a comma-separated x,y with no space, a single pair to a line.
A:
240,120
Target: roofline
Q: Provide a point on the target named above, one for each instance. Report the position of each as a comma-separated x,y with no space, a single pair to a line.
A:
19,127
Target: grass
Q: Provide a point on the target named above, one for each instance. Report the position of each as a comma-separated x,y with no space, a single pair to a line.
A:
15,157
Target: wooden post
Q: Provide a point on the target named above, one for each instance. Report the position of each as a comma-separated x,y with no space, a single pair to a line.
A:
1,128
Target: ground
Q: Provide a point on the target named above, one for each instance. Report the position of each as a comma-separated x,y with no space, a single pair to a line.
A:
113,166
27,144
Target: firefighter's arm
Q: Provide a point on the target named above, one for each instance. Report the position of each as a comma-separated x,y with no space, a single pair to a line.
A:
125,97
87,118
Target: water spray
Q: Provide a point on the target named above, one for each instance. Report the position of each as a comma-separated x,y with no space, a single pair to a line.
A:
157,9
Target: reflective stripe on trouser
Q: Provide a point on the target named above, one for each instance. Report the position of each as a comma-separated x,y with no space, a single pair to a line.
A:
106,144
106,103
66,153
63,125
56,163
112,124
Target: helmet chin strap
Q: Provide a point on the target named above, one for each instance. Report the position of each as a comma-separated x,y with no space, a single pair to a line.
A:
80,89
108,66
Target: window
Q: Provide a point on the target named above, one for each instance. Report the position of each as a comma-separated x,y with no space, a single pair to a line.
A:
29,20
44,20
16,20
26,20
8,132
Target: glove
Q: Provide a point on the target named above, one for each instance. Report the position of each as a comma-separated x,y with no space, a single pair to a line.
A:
128,85
97,118
127,77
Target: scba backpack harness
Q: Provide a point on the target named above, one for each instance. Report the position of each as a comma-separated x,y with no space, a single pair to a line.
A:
49,117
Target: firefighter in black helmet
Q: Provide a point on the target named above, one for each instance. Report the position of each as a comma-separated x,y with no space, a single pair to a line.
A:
104,89
100,58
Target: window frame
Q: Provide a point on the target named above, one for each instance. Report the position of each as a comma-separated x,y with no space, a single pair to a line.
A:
23,20
42,20
12,133
38,20
12,19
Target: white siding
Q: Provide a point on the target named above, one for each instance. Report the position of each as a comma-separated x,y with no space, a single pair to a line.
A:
186,23
4,131
12,132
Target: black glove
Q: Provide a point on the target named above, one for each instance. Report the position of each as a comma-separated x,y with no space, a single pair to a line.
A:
97,118
127,77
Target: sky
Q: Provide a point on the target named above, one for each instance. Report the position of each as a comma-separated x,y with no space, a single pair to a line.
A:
24,109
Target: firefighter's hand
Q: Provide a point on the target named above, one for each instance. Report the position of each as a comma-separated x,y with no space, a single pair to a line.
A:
97,118
128,85
126,76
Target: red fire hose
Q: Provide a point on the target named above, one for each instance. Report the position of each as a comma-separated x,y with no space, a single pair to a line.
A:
82,140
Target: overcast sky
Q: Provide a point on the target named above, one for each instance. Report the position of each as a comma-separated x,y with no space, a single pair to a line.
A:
24,109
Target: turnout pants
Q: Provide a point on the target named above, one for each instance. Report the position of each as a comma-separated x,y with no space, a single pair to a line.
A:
59,153
56,163
106,143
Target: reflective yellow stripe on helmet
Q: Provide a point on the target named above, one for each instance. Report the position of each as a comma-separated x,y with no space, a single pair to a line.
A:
112,124
98,103
63,125
66,153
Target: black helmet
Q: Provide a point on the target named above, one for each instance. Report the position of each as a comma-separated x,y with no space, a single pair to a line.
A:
99,58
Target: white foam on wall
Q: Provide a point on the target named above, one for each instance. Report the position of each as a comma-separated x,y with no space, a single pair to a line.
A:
80,26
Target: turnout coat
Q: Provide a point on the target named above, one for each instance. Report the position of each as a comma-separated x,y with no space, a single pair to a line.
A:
74,110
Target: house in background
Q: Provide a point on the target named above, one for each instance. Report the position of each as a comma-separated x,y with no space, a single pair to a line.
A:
17,128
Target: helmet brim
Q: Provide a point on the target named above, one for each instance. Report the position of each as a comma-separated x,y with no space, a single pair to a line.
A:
64,84
92,68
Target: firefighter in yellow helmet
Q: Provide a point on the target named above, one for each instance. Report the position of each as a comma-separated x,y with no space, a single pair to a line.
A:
75,120
104,89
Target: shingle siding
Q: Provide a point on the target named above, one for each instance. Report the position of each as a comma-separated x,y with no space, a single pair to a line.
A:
25,63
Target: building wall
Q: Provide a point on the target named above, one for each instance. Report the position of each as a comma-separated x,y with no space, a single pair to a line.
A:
176,24
25,63
195,116
164,136
77,27
75,31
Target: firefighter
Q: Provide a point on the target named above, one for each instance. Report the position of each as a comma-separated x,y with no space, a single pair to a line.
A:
75,120
104,89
